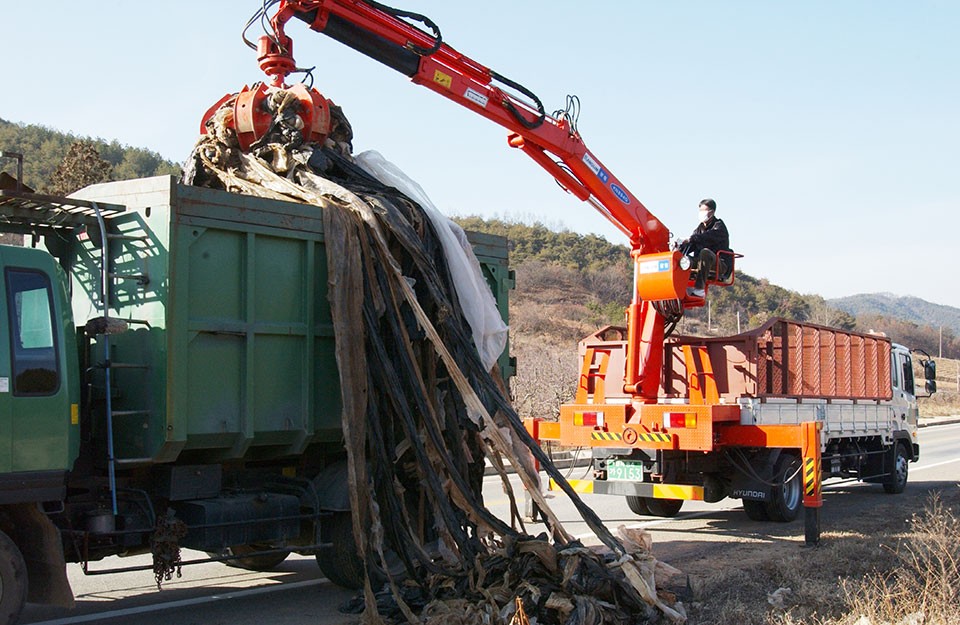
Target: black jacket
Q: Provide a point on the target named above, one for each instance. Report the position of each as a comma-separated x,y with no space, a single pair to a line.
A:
712,236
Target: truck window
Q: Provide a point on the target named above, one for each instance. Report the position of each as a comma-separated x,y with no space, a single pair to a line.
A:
908,374
33,350
893,369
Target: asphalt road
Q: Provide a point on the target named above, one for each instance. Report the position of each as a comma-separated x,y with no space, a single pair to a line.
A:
213,594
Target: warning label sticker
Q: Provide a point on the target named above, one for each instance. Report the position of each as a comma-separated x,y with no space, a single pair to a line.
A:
476,97
442,79
654,266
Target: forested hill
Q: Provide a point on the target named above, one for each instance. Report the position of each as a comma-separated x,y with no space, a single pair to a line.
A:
569,274
44,151
905,307
585,278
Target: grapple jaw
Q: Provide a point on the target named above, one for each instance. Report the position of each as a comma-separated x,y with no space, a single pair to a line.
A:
265,109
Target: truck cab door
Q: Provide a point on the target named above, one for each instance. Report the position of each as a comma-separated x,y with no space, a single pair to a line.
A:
38,406
905,393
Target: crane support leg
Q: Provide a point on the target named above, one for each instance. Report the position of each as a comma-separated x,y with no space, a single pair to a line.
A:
812,495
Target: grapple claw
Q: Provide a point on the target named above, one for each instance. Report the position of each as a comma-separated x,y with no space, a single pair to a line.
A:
254,117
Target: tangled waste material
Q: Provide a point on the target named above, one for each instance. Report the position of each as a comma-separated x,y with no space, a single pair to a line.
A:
421,411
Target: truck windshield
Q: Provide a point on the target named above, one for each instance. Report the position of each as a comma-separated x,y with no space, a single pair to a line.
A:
33,353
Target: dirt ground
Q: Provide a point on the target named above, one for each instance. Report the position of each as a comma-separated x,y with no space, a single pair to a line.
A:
863,551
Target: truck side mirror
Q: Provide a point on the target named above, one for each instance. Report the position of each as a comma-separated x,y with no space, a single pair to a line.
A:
930,370
931,387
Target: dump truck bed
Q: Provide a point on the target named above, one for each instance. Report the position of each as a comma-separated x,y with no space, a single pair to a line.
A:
231,351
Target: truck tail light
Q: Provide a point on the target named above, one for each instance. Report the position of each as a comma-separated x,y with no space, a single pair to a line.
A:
680,419
588,418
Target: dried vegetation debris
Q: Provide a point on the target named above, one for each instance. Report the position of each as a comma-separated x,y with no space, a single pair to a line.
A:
421,413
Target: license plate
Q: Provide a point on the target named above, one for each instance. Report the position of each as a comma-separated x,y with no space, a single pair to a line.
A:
625,470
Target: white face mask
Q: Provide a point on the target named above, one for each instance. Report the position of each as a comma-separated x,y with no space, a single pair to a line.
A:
705,215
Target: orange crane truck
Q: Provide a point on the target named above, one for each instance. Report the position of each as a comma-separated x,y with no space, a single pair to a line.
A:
762,416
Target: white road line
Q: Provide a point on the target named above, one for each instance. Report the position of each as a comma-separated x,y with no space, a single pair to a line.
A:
99,616
936,464
694,515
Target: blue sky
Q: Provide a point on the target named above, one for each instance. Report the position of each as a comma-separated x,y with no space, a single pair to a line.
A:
828,132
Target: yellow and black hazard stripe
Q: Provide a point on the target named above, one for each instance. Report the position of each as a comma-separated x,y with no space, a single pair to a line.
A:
606,436
578,486
641,489
810,476
654,437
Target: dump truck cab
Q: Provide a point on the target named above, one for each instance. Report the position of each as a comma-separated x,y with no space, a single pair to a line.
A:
39,389
904,399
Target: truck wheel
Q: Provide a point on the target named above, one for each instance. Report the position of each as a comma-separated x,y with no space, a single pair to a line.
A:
340,562
897,480
663,507
255,563
788,495
756,510
13,581
637,505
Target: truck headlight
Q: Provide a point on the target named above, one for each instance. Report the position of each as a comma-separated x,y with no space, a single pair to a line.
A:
684,263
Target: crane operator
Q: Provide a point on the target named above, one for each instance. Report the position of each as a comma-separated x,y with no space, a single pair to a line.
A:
709,237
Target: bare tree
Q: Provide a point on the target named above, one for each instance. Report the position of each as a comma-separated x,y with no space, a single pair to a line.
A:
80,167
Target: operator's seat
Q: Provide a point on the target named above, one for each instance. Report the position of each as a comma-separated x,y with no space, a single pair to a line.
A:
723,269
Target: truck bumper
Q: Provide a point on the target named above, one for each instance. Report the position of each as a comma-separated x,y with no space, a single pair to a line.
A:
637,489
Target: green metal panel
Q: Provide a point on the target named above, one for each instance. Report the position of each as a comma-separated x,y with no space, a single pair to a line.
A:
239,348
245,365
38,432
493,254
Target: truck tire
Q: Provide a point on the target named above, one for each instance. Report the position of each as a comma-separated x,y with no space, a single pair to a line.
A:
897,480
255,563
637,505
788,494
663,507
756,510
340,562
13,581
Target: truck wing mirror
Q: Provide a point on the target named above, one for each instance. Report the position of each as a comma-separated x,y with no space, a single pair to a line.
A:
931,387
930,370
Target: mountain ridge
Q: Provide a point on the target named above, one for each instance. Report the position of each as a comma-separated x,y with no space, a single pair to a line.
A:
906,307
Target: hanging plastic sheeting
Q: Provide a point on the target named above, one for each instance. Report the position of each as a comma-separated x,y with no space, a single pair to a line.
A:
421,413
476,300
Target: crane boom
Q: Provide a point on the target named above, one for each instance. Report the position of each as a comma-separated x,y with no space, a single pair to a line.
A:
379,32
553,142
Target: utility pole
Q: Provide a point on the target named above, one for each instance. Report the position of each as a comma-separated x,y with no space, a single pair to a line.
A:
738,322
941,342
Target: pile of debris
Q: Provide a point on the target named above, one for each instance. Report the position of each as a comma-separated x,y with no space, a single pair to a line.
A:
422,410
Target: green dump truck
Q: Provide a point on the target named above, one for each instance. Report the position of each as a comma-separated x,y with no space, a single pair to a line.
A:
167,376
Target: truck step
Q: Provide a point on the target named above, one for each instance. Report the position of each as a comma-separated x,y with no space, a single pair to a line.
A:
128,237
129,413
132,276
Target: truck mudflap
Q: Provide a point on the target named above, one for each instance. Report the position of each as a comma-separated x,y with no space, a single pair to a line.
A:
638,489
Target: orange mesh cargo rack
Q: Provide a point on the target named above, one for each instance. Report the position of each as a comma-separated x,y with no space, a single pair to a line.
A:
785,358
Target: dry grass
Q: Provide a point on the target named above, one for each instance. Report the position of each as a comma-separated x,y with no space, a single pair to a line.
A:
924,587
546,376
946,401
875,570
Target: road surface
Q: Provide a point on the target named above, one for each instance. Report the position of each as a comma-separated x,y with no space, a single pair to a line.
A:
213,594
